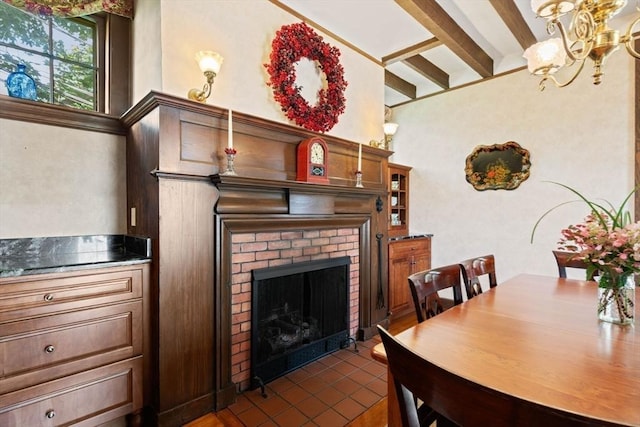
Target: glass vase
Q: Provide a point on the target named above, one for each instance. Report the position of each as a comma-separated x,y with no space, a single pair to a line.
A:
616,298
21,85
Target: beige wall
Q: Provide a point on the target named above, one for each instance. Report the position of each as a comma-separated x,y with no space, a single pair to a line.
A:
60,182
242,31
581,135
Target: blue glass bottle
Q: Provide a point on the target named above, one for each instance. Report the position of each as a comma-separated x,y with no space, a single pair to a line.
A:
21,85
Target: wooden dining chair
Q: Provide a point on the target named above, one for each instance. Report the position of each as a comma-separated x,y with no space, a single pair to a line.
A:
411,382
566,260
473,269
425,286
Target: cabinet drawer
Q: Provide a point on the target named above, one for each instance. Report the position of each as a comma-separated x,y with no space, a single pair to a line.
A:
403,248
36,295
33,351
88,399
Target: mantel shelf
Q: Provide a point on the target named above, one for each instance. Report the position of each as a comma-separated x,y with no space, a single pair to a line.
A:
233,181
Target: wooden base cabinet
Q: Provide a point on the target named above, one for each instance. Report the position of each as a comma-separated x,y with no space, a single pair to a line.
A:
71,346
406,257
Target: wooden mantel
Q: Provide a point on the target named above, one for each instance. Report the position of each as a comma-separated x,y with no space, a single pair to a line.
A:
265,149
178,197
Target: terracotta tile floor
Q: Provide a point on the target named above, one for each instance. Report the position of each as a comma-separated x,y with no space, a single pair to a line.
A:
331,392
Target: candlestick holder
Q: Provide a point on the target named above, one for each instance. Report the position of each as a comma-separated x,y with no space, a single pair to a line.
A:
231,155
359,179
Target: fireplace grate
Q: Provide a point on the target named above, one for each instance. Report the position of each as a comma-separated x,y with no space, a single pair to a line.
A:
300,312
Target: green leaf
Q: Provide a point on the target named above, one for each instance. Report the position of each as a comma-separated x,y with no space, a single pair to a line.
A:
619,218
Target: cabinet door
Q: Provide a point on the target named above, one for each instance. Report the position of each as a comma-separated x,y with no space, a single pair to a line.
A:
422,262
398,200
405,258
399,295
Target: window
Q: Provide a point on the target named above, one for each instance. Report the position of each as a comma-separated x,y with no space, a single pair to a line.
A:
66,58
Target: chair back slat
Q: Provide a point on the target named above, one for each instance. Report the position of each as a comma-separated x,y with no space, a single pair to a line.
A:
566,260
475,268
425,286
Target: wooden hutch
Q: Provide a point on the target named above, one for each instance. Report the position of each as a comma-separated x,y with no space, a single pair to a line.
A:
408,254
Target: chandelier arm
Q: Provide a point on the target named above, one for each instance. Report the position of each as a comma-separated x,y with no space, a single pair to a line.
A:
631,50
557,83
567,46
629,44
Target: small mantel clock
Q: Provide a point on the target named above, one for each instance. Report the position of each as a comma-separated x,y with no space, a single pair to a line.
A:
313,161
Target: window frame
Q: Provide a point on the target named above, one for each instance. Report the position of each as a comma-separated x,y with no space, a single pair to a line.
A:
114,87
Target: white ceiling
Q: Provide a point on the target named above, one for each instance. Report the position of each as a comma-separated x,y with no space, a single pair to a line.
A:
382,28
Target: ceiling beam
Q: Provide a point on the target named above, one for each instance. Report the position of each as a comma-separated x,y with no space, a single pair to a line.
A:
513,19
400,85
429,70
410,51
434,18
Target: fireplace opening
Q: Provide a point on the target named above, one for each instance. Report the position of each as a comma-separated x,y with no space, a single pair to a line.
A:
300,312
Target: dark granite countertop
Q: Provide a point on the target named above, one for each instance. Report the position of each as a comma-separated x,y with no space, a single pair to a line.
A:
409,236
41,255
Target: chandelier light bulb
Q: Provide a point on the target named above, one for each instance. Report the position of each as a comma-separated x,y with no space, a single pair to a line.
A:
551,8
546,57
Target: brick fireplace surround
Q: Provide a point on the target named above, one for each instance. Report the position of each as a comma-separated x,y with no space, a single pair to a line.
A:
268,249
262,223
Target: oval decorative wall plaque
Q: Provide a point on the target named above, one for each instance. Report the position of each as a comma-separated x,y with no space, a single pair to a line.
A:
498,166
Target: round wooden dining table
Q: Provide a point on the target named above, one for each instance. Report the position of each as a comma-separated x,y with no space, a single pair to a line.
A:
530,352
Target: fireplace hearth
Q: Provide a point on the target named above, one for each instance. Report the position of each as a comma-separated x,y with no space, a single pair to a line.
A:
300,312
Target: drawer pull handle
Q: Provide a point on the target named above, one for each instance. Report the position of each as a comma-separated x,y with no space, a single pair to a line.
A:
48,297
50,414
49,349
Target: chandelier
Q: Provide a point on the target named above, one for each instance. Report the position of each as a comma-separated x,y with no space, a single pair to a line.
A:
588,36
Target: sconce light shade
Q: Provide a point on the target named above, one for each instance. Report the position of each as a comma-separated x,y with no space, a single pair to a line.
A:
210,63
390,128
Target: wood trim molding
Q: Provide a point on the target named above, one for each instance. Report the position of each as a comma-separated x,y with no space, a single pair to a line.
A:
56,115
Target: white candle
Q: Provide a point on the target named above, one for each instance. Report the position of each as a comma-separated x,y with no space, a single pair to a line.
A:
230,128
360,157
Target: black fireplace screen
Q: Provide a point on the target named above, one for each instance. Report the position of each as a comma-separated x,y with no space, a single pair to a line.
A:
300,312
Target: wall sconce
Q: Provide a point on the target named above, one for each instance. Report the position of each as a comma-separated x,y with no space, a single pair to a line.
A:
390,129
209,63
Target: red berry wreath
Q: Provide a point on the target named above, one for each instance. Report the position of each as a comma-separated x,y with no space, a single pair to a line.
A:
291,43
